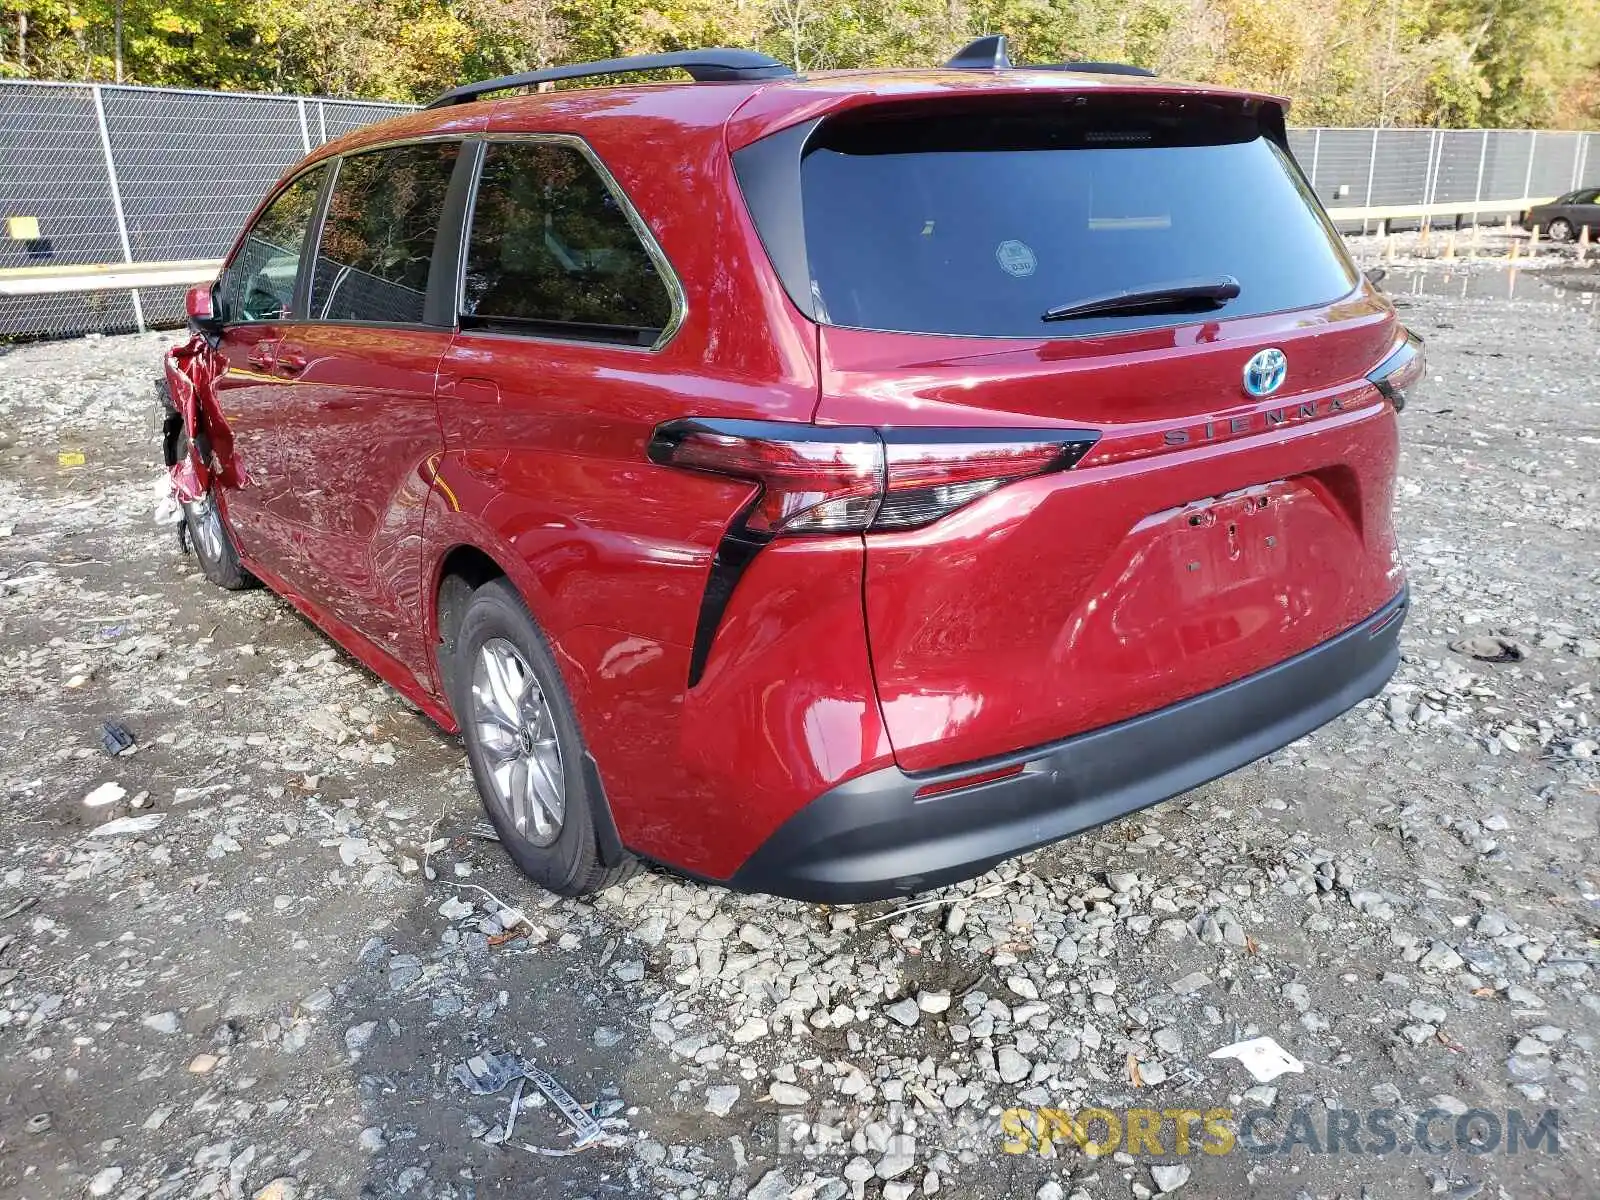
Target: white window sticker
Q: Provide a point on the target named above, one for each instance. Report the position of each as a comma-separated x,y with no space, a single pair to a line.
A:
1015,258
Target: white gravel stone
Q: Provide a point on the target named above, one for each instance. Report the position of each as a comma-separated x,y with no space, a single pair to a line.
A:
774,1185
1022,986
898,1158
1169,1177
1440,957
753,1029
904,1012
1012,1066
721,1098
788,1094
300,800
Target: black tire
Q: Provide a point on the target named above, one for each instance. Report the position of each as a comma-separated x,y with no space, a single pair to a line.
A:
570,865
210,540
1559,230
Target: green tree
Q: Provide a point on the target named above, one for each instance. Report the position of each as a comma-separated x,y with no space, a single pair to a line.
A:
1391,62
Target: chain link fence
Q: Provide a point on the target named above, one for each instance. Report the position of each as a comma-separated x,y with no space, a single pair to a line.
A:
101,174
111,174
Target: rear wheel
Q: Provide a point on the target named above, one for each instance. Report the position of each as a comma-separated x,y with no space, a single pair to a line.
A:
1560,230
524,745
213,545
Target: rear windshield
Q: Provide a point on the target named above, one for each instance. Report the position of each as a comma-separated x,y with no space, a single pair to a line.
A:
978,222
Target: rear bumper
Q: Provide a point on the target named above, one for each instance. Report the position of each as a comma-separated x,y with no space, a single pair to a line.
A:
870,838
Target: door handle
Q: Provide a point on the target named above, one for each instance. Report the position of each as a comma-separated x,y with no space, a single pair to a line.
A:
262,356
291,362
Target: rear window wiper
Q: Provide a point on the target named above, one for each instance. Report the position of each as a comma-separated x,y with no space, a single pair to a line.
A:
1177,296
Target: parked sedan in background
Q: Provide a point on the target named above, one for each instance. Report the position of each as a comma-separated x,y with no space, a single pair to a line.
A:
1563,218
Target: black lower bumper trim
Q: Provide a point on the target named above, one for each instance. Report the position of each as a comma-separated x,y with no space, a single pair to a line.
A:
870,839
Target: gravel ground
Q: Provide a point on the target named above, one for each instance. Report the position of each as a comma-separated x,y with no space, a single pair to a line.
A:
264,985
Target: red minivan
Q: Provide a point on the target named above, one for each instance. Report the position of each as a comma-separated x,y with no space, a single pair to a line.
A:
824,485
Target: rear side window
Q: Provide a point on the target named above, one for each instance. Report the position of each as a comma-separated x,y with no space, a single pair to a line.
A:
377,241
258,285
978,222
552,251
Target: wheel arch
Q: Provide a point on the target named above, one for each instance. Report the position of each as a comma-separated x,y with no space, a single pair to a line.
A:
460,570
472,557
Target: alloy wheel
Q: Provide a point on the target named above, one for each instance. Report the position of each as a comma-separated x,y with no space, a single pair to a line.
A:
517,734
205,524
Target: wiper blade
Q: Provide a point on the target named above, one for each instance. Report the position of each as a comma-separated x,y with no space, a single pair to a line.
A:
1180,294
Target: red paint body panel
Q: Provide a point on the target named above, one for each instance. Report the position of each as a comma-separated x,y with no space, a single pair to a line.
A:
359,415
1205,536
1076,600
785,711
262,509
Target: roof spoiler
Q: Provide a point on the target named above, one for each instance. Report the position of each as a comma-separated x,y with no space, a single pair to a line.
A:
989,54
703,66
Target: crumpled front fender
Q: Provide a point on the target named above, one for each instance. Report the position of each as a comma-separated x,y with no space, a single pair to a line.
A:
190,369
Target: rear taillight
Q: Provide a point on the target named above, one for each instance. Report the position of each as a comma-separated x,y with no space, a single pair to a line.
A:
812,480
816,479
1400,376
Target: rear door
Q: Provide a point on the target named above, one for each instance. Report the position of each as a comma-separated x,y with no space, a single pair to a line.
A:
360,380
256,297
1211,532
559,374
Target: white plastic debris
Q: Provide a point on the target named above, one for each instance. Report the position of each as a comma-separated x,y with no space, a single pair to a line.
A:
1262,1057
106,793
167,511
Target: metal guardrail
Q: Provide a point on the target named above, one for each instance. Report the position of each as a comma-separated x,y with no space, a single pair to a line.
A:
116,198
106,277
1427,212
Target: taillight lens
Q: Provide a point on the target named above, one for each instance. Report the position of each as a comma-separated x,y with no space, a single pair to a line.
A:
929,478
1400,376
812,480
816,479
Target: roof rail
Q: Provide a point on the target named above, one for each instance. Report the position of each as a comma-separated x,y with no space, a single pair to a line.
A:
703,66
1098,68
989,54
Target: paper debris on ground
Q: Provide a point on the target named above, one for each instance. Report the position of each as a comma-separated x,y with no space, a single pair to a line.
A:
1262,1057
106,793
